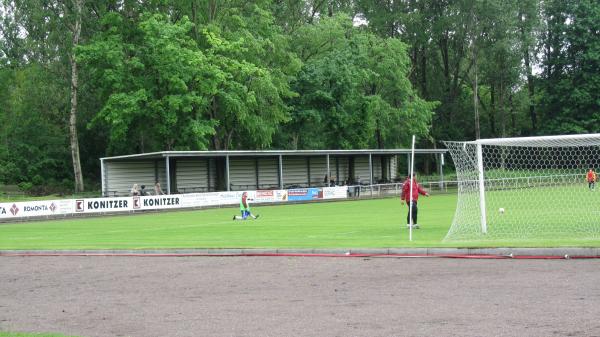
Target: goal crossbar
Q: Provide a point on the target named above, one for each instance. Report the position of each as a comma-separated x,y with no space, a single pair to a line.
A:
592,139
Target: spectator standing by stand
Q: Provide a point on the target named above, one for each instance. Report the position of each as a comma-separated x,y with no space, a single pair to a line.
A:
157,189
135,191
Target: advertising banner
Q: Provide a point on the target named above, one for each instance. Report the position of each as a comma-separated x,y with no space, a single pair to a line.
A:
35,208
100,205
340,192
266,196
158,202
16,210
305,194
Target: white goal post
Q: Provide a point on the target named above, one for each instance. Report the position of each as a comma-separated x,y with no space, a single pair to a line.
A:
526,188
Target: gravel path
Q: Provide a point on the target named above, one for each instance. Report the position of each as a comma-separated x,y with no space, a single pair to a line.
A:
299,296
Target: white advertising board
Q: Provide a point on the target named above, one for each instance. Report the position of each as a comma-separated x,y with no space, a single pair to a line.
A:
340,192
49,208
35,208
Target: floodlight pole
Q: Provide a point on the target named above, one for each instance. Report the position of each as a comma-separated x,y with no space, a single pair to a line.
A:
481,189
410,191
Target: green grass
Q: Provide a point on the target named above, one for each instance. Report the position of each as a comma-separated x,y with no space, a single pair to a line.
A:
544,213
376,223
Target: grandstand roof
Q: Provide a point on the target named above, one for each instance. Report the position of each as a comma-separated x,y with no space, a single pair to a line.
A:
260,153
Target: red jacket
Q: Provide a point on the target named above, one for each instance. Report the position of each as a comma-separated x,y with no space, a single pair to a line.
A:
591,176
416,190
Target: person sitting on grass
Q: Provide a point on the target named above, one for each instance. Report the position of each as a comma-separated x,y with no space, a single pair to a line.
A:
245,209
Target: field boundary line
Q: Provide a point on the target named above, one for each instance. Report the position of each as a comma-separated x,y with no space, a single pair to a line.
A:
473,253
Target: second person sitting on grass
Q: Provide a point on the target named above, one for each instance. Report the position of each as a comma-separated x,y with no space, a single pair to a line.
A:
245,208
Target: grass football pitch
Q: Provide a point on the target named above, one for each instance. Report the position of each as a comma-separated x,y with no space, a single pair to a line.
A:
376,223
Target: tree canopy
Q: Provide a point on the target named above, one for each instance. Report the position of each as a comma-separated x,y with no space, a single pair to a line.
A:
84,79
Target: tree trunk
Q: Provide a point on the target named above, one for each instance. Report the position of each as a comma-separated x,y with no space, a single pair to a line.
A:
212,10
77,4
493,110
228,140
475,105
379,137
195,19
424,93
501,109
217,143
530,87
511,111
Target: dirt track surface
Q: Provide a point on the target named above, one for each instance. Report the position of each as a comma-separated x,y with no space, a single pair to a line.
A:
296,296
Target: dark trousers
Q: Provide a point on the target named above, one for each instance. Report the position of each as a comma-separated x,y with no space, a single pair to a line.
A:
414,213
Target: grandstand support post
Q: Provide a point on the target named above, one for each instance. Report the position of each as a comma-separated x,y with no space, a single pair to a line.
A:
257,173
371,172
327,174
208,187
481,189
441,171
102,177
280,172
408,164
168,174
227,172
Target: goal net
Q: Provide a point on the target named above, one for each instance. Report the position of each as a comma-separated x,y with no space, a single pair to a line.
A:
526,188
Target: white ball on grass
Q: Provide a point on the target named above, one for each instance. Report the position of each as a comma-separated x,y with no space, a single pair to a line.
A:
501,210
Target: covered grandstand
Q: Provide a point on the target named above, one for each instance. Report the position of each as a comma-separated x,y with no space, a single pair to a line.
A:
208,171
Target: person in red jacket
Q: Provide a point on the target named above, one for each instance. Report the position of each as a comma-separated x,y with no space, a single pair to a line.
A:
405,197
591,179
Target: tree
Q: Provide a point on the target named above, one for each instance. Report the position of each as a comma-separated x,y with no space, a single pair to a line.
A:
149,88
528,23
213,83
75,28
497,39
51,30
438,35
253,68
356,89
570,86
33,148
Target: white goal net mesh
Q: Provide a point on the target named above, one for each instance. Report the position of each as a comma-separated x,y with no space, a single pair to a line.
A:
533,188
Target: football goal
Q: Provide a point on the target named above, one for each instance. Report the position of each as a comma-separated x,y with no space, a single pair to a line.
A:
526,188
